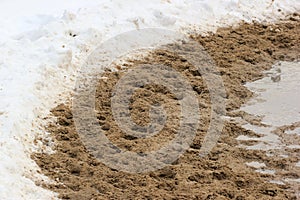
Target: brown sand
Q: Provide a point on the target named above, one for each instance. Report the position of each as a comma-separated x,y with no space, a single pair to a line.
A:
241,54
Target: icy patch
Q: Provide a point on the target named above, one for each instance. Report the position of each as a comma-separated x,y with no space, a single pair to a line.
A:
255,164
292,180
266,171
277,182
277,102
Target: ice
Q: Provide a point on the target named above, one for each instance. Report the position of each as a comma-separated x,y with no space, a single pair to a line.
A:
256,164
266,171
277,102
281,99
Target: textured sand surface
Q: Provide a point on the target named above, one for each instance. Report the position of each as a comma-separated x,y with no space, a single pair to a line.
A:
242,54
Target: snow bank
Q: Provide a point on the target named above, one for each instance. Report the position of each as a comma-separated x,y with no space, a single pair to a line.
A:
42,46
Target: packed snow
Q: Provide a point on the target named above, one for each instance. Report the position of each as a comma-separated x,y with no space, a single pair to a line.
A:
42,44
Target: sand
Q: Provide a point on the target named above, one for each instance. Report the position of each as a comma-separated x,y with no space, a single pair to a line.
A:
241,54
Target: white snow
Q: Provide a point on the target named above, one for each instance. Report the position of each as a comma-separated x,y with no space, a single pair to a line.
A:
39,57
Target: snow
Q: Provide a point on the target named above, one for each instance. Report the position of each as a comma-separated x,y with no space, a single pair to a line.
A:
42,44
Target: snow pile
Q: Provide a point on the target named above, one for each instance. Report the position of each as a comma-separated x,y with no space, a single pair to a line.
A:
42,46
